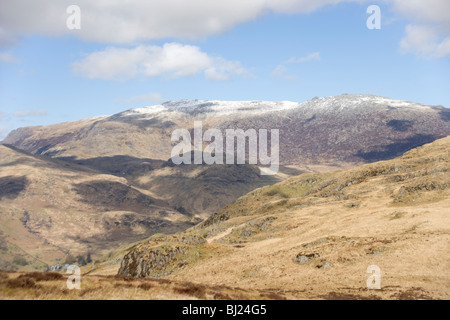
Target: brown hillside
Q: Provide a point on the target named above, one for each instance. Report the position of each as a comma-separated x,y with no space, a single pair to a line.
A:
314,236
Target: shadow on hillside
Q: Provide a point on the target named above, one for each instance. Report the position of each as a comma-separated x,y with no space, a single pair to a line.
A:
11,187
139,122
400,125
396,148
445,114
118,165
115,196
41,161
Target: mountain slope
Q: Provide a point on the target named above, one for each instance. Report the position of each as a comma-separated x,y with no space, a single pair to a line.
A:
347,129
314,236
52,207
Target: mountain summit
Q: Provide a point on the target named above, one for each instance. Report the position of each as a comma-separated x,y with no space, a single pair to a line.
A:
341,130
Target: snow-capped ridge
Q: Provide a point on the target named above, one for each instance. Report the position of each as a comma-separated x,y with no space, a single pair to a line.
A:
224,108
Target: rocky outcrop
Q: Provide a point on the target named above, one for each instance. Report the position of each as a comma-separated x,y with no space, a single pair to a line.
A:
155,263
153,260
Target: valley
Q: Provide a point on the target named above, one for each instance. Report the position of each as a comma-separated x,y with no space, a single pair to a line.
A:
104,192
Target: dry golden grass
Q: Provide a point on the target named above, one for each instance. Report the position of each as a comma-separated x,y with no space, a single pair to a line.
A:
52,286
393,214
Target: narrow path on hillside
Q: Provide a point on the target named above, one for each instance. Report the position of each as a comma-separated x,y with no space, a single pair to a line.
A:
221,235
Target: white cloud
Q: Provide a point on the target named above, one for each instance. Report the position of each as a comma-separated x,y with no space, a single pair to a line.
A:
130,21
310,57
221,69
8,58
152,97
423,40
281,69
429,35
434,11
172,60
30,113
6,39
443,48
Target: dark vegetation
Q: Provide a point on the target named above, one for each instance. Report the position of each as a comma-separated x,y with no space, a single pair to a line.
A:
11,187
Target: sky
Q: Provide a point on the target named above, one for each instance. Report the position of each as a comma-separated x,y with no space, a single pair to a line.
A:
128,53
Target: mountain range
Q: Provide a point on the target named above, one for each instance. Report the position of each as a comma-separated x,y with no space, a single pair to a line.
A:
330,131
93,185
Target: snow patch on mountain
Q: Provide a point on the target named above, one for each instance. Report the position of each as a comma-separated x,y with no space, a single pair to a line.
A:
213,107
145,110
217,108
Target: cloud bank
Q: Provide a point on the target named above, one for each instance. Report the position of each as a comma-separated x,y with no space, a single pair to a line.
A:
131,21
172,60
429,35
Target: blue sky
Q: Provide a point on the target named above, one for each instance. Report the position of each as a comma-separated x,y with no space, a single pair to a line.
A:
49,74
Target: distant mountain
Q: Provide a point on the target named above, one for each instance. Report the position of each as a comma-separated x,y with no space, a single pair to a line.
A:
315,235
95,184
335,131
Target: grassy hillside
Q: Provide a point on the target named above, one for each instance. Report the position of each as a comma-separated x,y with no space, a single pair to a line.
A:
314,235
310,237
